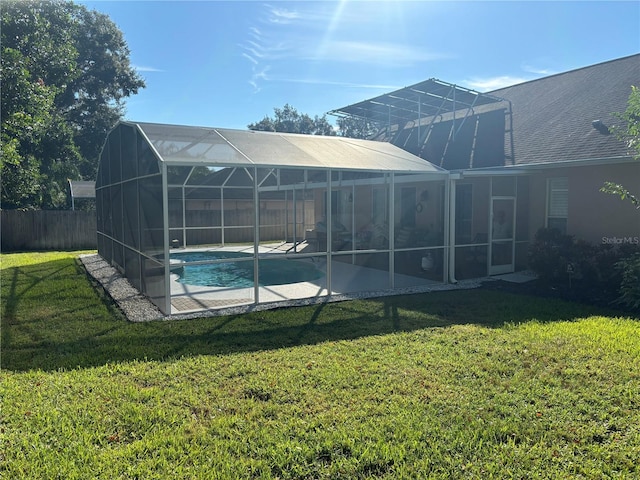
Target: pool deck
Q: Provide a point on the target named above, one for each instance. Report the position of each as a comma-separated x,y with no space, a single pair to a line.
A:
348,282
346,279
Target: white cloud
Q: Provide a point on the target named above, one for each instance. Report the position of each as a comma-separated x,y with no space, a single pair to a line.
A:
250,58
255,51
255,32
261,47
141,68
310,35
493,83
538,71
387,54
257,77
281,15
320,81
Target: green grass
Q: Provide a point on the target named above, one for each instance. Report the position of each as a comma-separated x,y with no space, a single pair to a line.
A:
464,384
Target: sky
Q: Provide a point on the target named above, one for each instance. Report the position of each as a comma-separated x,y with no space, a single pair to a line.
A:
229,64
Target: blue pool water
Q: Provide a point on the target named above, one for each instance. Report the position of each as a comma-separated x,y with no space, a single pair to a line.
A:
239,274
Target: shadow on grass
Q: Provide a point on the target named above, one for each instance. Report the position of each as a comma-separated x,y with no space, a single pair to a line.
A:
52,319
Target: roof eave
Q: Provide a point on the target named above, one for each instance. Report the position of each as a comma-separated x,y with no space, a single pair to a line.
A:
531,167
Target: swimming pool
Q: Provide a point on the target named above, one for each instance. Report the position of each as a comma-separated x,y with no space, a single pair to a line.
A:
239,274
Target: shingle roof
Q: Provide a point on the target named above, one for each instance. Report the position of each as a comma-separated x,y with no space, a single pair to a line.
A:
552,121
82,189
552,116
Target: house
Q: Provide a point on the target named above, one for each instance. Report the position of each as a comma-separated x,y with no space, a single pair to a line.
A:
82,191
535,157
454,186
563,140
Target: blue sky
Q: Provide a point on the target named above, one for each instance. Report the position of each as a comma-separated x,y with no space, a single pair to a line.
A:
228,64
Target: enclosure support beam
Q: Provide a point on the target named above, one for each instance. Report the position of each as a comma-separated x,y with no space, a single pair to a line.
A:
295,220
419,117
222,209
329,222
304,206
452,230
165,222
286,216
256,237
184,218
354,244
392,221
222,216
184,207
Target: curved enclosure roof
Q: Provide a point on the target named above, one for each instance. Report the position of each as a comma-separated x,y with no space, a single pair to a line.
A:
186,145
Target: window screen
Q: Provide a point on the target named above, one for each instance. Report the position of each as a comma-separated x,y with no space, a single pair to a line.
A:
558,203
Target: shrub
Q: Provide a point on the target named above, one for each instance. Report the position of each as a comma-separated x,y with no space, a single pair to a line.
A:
606,271
630,283
550,254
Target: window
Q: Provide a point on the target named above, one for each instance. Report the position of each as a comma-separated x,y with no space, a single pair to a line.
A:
558,203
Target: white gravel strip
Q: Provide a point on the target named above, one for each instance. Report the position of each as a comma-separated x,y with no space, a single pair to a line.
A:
137,308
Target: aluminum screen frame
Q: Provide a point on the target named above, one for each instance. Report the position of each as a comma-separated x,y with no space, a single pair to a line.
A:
149,172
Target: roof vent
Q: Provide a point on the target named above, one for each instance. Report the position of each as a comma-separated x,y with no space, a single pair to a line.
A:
601,127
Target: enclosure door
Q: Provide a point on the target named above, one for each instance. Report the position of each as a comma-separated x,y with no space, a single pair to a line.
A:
502,240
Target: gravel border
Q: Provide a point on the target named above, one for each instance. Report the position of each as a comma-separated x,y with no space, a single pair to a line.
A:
137,308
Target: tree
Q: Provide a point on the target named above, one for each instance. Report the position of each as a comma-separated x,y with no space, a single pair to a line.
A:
38,153
287,119
630,134
94,101
25,114
354,127
630,131
65,75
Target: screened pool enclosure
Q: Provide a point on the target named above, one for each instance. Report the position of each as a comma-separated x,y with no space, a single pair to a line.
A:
206,218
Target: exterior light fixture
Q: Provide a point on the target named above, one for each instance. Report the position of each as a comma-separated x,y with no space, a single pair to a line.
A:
601,127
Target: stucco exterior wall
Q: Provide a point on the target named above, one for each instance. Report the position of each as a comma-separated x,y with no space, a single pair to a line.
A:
593,216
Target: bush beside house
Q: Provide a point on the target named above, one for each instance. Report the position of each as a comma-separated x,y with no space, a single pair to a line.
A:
595,273
630,284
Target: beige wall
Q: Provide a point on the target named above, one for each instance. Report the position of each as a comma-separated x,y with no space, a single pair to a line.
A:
538,200
592,214
431,216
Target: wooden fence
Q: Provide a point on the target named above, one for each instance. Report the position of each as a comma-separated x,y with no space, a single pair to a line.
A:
74,230
47,230
205,226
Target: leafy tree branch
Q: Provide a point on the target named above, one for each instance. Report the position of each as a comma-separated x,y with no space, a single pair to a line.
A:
629,133
65,75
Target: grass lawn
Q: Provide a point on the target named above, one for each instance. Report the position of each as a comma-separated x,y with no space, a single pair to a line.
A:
461,384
